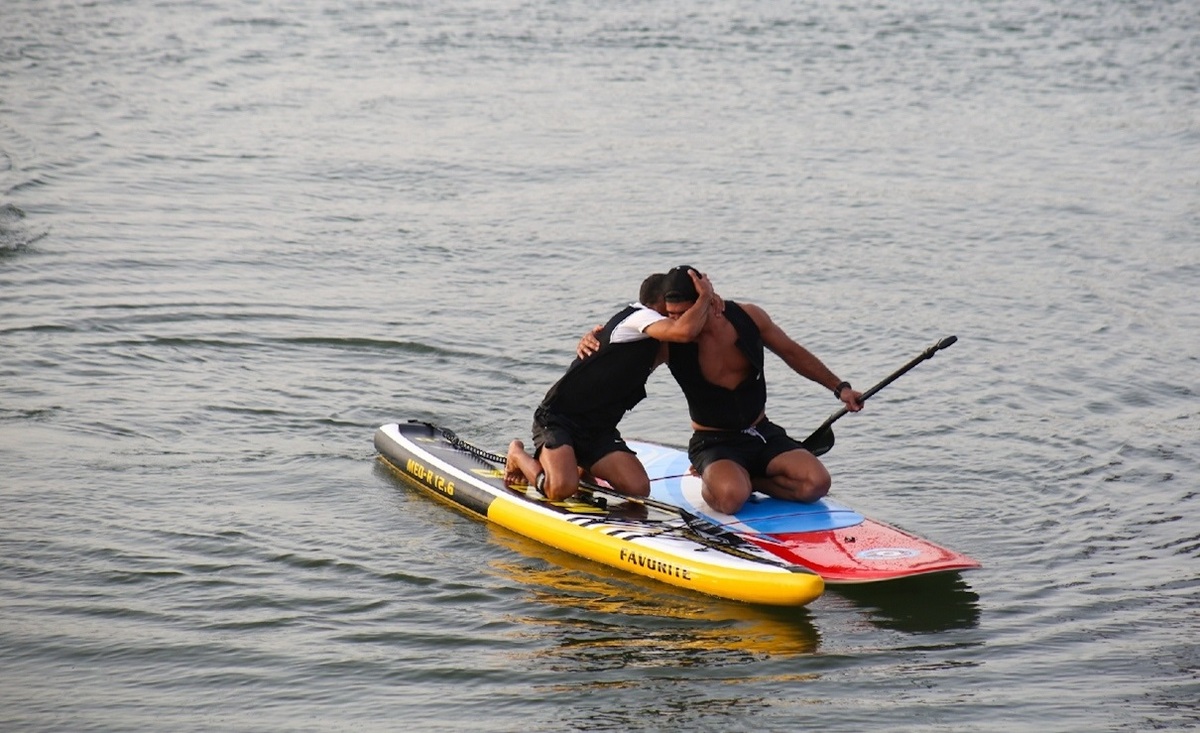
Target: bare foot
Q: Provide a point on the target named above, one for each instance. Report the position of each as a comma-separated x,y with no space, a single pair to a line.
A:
513,476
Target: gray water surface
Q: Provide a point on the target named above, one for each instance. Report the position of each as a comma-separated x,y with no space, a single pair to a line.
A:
237,237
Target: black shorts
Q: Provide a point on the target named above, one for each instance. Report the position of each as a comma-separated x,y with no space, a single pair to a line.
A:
752,448
553,431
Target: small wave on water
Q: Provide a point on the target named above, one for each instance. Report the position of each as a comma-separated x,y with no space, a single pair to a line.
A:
15,235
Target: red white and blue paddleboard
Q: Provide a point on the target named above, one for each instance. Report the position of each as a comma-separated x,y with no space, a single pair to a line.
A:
833,540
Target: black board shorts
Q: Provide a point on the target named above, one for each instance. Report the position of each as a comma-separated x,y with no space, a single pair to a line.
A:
752,448
553,431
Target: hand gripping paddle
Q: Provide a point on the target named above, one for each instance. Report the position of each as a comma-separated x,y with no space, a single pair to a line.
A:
821,440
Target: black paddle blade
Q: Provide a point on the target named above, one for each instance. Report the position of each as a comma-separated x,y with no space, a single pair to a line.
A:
820,441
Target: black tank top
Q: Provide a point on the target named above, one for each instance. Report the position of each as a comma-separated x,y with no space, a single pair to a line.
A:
714,406
596,392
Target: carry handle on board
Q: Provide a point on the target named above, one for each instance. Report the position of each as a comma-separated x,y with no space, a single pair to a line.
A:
821,439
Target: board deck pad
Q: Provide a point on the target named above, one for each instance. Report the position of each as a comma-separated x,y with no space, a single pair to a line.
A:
832,539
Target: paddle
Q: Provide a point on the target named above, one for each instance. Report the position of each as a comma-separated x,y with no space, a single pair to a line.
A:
706,531
713,532
821,440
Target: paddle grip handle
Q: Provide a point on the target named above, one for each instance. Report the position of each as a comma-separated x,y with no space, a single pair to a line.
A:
926,354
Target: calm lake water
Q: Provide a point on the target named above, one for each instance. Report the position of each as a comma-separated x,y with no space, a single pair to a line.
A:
236,237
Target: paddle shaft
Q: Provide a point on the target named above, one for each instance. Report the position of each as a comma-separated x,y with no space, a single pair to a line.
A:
588,487
727,539
926,354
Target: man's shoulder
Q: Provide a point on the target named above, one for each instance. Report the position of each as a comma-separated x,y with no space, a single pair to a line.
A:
640,316
637,318
754,312
744,305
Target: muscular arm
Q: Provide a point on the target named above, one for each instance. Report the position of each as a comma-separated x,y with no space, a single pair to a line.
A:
682,330
801,360
689,325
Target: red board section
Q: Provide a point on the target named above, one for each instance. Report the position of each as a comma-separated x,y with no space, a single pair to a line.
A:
864,553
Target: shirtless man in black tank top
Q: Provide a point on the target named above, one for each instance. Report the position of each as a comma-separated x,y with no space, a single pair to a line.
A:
734,448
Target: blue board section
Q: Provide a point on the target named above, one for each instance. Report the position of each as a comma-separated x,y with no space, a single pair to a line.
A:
668,469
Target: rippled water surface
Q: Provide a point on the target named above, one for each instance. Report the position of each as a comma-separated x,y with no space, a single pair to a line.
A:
237,237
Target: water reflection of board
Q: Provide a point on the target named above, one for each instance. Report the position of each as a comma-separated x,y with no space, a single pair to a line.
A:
830,538
626,535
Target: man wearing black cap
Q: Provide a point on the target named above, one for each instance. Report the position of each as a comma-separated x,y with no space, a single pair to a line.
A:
576,423
734,448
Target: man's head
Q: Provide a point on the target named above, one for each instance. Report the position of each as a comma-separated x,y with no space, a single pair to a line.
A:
651,294
679,291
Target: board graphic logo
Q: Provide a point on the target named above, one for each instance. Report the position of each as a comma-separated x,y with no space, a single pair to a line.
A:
887,553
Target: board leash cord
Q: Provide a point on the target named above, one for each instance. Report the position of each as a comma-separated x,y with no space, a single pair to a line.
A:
461,444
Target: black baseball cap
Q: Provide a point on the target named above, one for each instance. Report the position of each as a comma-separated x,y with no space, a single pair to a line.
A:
678,286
